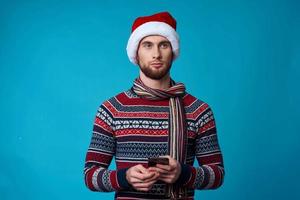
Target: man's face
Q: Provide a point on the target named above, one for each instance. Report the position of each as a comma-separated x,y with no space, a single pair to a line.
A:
154,56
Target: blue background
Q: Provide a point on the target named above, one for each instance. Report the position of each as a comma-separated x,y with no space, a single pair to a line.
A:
59,60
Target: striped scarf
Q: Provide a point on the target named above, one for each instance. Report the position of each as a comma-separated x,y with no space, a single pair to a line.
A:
177,124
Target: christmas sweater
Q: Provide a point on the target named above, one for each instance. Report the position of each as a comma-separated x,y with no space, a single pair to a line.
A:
132,129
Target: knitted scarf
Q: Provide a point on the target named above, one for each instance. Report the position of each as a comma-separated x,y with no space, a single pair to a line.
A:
177,125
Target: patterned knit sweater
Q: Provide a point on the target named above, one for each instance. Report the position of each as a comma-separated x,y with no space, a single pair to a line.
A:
133,129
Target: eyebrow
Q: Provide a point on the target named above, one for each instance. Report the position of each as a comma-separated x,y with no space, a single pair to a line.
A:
161,42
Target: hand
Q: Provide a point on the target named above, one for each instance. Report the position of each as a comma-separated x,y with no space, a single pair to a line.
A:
141,178
168,173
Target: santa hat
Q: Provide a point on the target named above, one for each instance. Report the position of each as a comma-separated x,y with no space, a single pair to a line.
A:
158,24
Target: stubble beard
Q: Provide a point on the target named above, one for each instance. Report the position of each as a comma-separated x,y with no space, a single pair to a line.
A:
155,74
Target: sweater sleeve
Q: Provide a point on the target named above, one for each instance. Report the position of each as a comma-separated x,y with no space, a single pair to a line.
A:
99,155
210,173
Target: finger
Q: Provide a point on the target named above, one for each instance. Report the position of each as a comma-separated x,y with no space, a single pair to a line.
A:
152,169
143,177
144,185
161,171
141,169
154,178
135,180
137,173
165,167
172,161
143,189
155,169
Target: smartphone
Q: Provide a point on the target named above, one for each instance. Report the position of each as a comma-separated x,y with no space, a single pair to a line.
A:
157,160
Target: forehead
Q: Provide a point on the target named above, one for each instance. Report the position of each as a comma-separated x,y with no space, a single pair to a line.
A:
154,39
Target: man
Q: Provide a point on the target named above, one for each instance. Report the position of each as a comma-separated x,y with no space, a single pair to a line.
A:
154,118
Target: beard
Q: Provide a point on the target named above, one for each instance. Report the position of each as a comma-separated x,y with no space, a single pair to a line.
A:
155,74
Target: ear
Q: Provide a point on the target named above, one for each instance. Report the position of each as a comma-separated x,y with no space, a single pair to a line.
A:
137,57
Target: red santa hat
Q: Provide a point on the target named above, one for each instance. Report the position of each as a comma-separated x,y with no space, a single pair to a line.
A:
158,24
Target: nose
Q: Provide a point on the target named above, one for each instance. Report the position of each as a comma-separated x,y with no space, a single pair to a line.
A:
156,54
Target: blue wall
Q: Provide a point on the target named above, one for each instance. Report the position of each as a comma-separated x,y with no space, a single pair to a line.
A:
60,59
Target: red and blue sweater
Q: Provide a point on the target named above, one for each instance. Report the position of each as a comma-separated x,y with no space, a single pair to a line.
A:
132,129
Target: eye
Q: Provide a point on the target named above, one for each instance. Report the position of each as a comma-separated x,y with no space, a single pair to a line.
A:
165,45
147,45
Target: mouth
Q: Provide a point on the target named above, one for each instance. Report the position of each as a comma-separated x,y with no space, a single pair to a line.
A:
156,64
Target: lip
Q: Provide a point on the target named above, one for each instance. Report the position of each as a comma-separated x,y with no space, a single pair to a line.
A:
157,64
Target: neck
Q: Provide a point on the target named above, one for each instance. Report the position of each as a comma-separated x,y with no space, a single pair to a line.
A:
163,83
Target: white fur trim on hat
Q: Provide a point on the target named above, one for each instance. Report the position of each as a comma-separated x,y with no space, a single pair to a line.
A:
152,28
